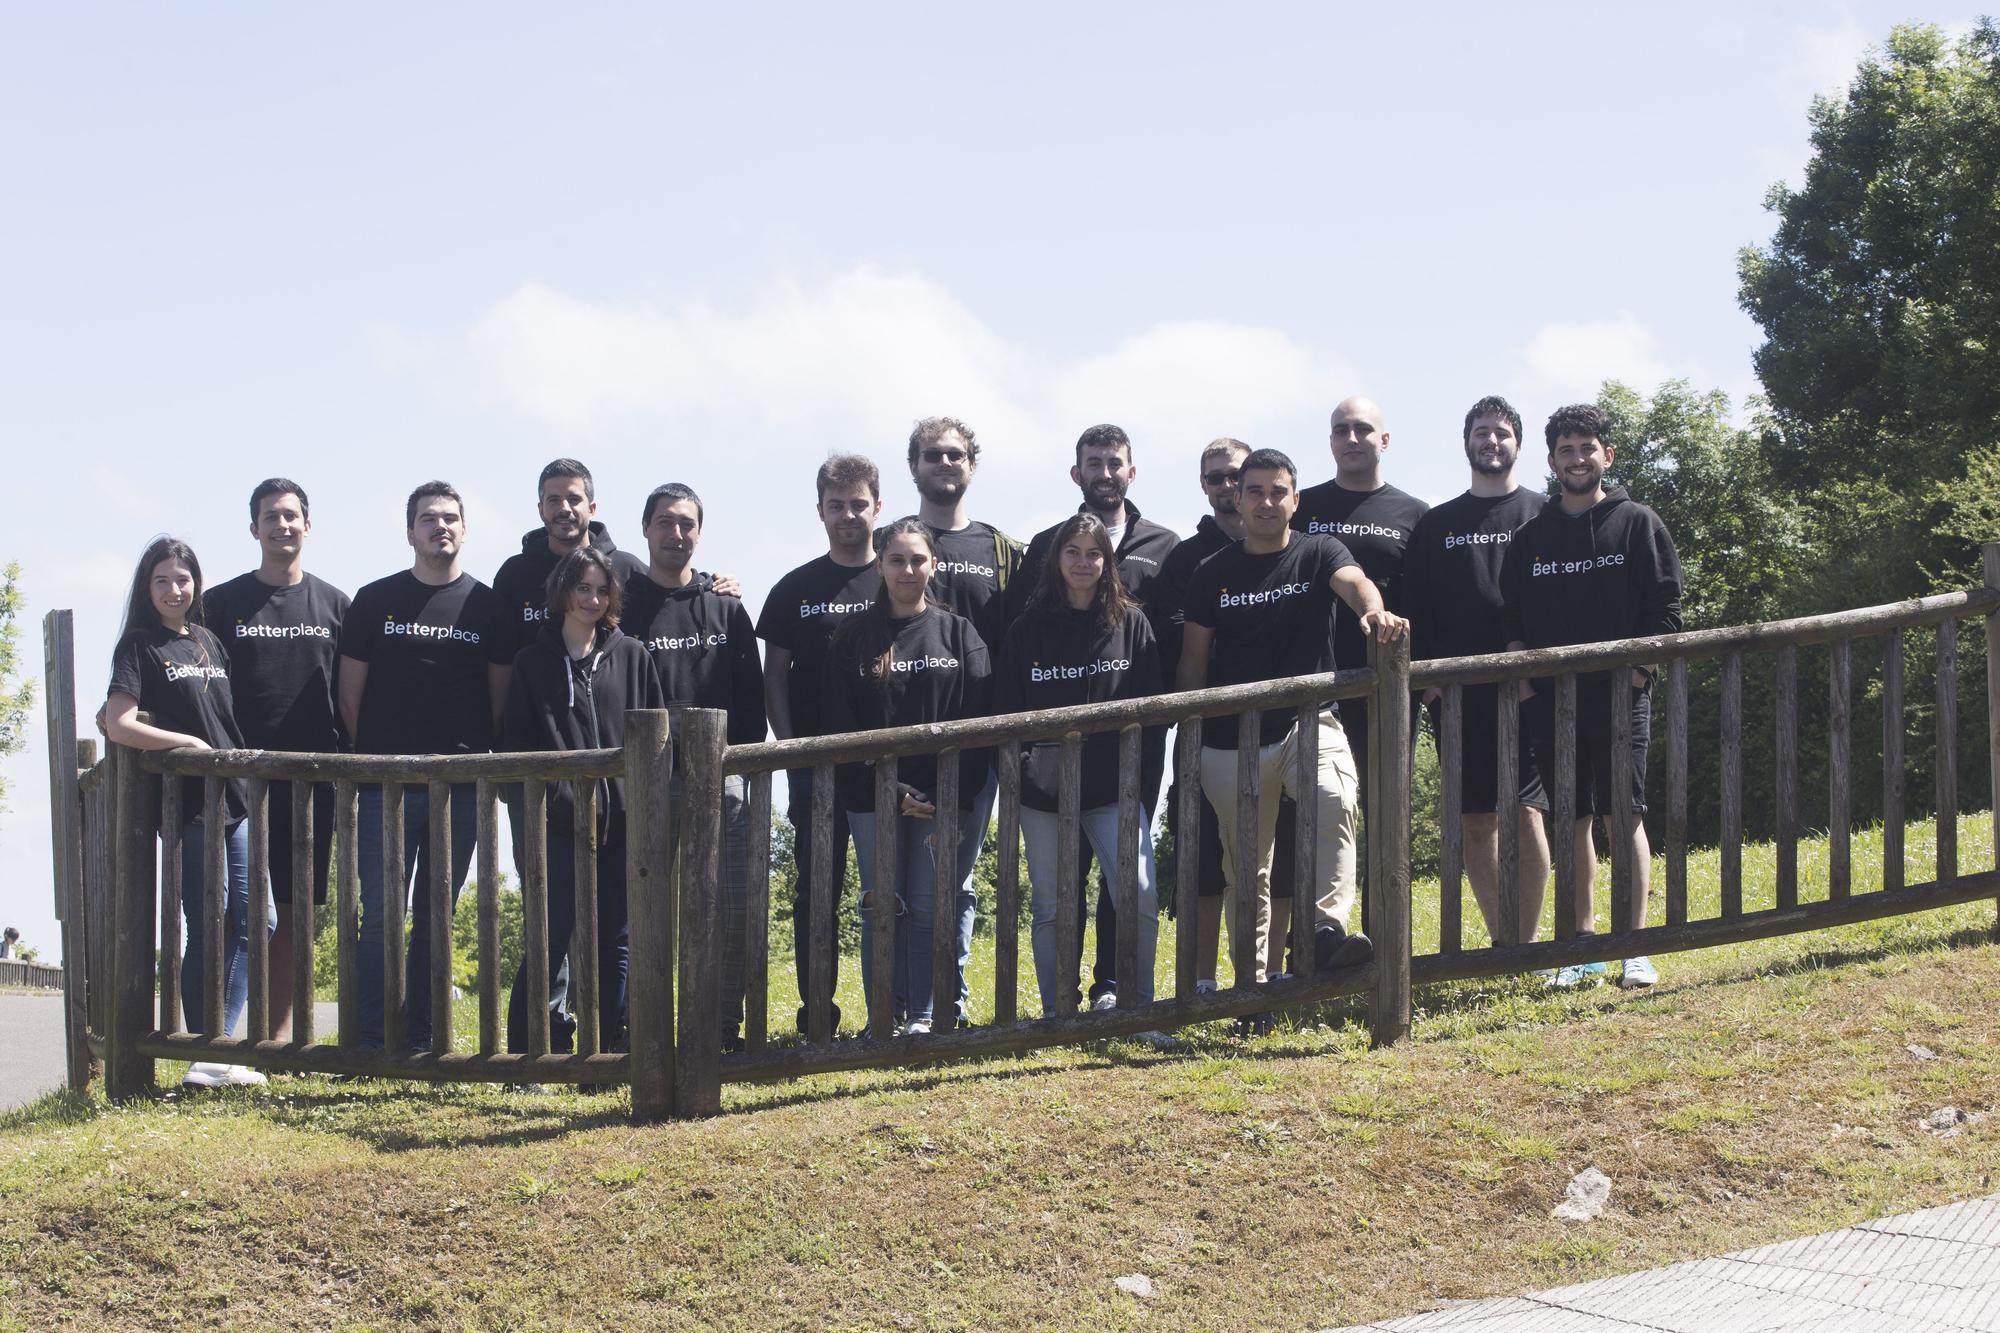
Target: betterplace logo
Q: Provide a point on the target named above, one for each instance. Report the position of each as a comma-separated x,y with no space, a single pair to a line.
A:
244,631
1040,674
412,630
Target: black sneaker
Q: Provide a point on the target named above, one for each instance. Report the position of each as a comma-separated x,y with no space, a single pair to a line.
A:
1334,949
802,1019
732,1042
1255,1025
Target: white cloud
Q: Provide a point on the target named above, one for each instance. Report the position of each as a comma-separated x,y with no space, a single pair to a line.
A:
1574,359
852,360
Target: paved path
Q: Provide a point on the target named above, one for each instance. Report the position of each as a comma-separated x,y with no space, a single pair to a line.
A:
1937,1271
31,1043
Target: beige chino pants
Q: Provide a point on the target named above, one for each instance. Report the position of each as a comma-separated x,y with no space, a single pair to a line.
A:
1336,791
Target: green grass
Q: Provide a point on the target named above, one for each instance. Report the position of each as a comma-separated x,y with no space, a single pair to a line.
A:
1762,1091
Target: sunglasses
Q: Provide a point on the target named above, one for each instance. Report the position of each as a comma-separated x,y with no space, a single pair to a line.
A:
944,455
1222,478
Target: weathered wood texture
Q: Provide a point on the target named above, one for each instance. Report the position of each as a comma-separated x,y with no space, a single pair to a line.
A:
128,1072
66,835
1839,771
1389,841
1946,734
1007,887
698,753
1451,819
650,894
1892,760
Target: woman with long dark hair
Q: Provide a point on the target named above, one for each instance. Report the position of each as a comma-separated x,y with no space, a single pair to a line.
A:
1081,640
569,691
906,660
170,667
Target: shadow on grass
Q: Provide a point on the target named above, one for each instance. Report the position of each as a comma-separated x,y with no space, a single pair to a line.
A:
52,1110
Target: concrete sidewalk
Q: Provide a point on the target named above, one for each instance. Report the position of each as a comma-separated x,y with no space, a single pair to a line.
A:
1936,1271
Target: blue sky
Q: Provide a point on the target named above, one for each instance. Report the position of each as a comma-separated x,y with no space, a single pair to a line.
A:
366,245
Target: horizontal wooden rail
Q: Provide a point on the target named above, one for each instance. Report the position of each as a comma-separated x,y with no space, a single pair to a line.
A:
1027,1035
1532,662
279,765
468,1067
1160,710
1611,946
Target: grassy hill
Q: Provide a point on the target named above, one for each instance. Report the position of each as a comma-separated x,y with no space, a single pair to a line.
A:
1298,1180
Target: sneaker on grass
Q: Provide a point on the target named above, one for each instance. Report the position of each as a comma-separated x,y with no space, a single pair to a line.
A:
1638,972
1578,974
1108,1000
918,1027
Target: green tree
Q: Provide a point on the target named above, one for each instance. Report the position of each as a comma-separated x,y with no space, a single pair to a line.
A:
17,695
1879,298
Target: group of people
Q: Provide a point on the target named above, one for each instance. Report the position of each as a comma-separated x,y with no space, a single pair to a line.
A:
934,617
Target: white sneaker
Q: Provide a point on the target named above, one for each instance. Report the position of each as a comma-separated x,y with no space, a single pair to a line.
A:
919,1027
243,1076
1108,1000
205,1074
1205,986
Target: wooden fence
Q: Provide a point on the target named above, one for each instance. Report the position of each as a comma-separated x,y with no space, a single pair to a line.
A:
117,911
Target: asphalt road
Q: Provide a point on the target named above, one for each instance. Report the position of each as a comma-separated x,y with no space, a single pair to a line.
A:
31,1043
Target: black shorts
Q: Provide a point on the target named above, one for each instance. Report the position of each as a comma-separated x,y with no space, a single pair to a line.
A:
280,807
1208,874
1479,752
1593,743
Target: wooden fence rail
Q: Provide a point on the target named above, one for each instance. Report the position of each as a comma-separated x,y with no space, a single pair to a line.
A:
121,904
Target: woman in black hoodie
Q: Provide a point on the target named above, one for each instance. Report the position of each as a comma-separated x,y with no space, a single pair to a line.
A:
903,661
1081,640
569,691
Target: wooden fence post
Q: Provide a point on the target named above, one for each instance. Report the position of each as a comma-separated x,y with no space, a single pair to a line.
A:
704,735
1991,552
649,844
65,833
126,1072
1389,840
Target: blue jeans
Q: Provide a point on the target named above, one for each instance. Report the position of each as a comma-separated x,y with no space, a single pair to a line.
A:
235,925
613,952
916,887
417,856
1039,832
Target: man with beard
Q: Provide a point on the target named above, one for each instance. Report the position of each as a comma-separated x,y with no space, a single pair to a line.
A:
1104,471
566,498
976,562
1592,565
705,650
798,622
1373,520
1453,596
1259,610
1220,477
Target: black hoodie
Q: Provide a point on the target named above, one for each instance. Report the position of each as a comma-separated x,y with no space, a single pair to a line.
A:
1607,573
1056,657
1143,548
557,702
523,579
1168,607
938,671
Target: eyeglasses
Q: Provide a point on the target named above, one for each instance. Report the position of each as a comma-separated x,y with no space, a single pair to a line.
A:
1222,478
944,455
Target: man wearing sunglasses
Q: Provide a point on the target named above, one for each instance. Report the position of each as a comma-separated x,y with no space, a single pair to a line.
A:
976,562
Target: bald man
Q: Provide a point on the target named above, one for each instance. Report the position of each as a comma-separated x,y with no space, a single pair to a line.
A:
1371,519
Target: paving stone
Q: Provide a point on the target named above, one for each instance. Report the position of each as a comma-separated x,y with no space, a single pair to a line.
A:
1934,1271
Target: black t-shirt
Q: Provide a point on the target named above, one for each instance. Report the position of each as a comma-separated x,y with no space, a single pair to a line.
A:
800,616
1375,527
938,671
182,682
1270,615
704,648
1164,606
1451,575
1054,659
283,644
975,567
427,650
